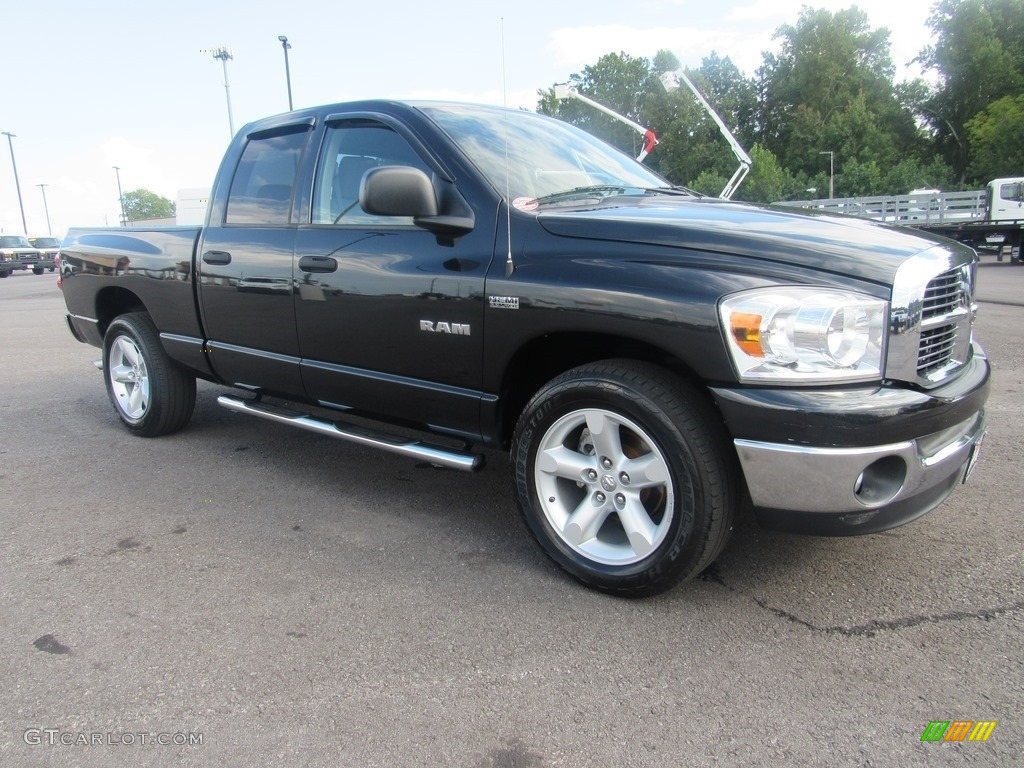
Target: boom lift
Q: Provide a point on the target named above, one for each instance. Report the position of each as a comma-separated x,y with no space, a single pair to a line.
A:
566,91
671,82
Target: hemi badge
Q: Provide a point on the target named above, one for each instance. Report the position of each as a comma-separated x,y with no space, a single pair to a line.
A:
503,302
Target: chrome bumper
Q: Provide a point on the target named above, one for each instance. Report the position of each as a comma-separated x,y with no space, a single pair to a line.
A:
850,480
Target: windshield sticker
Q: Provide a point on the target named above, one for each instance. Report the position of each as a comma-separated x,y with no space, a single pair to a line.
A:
525,204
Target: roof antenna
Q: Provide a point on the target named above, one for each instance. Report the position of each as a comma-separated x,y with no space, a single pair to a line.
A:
510,266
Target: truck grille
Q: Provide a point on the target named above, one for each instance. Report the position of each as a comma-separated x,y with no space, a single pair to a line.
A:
932,316
936,348
942,298
943,294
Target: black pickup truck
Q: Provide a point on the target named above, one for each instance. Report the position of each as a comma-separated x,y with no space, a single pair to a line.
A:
650,358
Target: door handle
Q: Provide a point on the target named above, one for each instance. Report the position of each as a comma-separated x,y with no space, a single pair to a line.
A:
217,257
320,264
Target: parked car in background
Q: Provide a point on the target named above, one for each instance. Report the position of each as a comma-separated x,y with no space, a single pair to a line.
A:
16,253
49,253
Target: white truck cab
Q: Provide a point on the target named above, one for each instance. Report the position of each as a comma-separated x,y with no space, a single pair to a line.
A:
1004,199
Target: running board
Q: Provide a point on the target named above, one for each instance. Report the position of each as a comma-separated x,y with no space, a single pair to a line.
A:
434,454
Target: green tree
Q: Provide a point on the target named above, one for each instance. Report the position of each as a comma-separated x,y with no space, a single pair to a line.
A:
143,204
996,138
768,181
830,89
978,56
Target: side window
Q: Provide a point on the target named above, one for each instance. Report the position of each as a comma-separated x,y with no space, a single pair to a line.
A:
264,182
351,149
1011,191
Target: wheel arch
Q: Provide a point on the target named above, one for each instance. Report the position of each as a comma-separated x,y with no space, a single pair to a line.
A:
543,358
113,301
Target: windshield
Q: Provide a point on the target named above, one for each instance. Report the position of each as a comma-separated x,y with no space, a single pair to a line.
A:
545,156
10,241
45,242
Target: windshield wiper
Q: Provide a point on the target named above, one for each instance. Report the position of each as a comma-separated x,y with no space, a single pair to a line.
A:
595,190
675,191
600,191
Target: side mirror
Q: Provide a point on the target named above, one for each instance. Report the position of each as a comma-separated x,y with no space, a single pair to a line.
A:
401,190
397,190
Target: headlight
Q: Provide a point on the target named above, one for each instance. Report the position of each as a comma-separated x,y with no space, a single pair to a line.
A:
805,335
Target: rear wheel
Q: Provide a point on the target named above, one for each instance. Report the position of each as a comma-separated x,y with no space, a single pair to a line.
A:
625,477
37,270
151,395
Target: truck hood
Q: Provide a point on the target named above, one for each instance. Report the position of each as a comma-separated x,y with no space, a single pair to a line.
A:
837,244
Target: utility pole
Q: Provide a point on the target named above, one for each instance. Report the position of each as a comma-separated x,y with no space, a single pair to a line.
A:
225,56
120,197
287,72
46,209
831,172
17,183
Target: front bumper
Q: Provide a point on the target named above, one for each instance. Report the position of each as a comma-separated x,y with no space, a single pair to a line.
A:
856,461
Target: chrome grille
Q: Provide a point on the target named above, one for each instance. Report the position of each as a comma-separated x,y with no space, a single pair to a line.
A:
937,345
943,294
932,316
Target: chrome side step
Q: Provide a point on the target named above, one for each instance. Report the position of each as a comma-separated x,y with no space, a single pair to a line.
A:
435,454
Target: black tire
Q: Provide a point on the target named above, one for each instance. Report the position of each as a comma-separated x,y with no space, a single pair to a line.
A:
37,271
151,395
578,506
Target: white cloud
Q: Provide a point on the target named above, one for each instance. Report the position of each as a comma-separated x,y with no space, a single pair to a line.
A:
572,48
762,10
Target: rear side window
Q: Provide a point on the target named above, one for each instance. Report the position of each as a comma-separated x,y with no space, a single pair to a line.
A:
264,182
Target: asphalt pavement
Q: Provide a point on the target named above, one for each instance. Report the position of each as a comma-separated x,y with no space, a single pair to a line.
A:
244,594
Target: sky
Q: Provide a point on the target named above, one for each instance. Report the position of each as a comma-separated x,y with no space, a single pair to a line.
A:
86,86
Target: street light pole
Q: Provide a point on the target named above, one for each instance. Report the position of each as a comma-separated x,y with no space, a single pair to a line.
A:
46,208
17,183
225,55
120,197
287,71
831,173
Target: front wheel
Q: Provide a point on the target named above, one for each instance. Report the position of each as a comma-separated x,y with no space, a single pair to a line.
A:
151,395
37,270
625,477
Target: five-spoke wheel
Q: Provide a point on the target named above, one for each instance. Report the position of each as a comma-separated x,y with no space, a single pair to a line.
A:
624,476
151,394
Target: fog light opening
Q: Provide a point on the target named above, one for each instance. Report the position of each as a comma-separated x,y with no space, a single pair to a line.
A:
881,481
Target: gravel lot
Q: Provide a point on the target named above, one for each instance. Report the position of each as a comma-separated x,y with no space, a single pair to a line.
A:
286,599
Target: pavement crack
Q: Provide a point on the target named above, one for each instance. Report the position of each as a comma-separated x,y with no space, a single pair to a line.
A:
873,626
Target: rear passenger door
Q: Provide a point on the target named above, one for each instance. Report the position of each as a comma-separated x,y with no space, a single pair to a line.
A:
245,267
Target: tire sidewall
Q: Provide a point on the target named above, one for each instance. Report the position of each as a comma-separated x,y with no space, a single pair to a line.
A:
680,545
